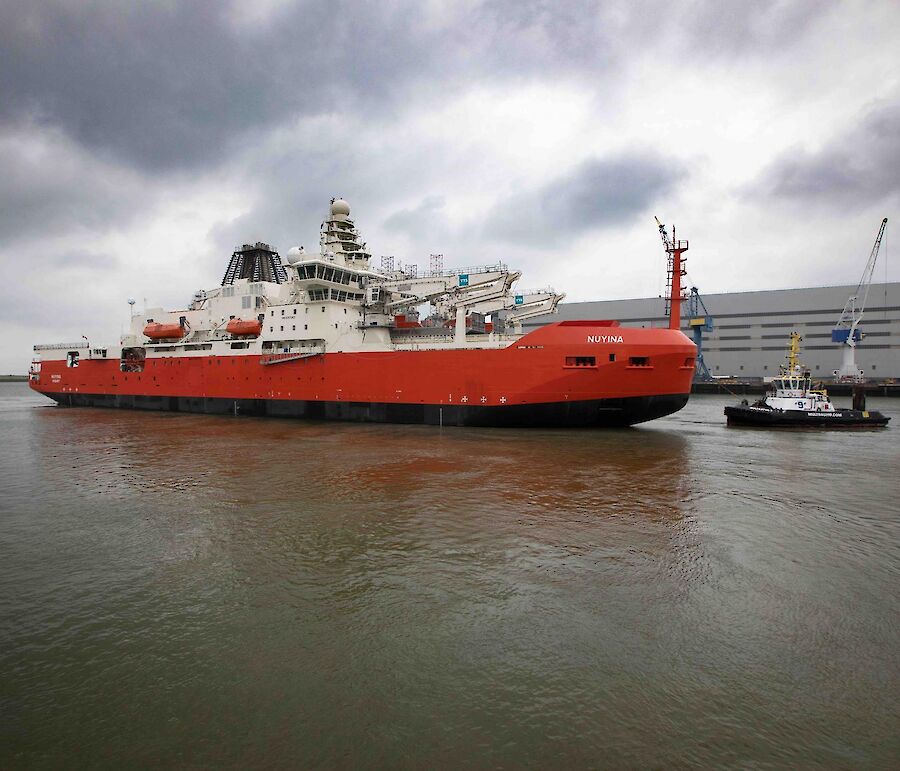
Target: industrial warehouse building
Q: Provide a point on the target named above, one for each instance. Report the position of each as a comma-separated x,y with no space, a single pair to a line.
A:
751,329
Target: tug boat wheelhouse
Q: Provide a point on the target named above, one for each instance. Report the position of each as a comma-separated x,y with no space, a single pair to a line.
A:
328,336
793,402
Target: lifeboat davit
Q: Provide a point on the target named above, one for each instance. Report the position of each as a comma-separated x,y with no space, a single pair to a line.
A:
244,328
157,331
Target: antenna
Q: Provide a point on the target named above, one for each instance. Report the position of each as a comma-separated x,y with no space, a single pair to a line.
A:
436,267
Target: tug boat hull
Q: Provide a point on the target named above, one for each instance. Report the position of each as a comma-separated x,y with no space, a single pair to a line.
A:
771,418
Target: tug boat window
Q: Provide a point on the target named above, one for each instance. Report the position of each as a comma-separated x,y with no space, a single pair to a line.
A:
72,359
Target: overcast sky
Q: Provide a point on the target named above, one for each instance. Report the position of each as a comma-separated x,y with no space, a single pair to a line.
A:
140,142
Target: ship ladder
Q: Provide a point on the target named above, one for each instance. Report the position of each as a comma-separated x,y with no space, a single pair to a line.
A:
281,358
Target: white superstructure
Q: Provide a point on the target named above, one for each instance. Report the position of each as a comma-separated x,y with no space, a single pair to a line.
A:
331,301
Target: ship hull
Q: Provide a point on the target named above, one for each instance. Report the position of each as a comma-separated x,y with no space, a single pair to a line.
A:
769,418
570,374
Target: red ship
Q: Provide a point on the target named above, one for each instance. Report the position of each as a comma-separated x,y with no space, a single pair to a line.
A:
326,336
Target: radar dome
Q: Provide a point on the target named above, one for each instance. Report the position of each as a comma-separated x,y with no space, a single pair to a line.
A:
295,254
340,207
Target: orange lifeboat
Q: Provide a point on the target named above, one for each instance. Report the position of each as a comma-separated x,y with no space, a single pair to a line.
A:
157,331
242,328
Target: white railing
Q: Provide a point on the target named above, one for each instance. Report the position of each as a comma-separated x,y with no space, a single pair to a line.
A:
498,267
60,346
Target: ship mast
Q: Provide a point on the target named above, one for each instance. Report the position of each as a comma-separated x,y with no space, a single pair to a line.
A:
793,356
675,271
339,236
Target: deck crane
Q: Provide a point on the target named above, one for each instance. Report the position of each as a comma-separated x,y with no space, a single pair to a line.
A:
846,332
699,321
675,271
513,307
461,290
513,318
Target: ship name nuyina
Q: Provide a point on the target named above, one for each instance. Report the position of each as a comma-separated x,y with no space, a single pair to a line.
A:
605,339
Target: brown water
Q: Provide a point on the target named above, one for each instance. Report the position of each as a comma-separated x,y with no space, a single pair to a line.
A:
216,591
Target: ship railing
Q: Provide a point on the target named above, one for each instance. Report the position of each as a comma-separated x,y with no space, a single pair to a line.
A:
60,346
499,267
542,290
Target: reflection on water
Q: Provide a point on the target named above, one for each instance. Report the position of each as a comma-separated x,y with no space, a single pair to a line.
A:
185,589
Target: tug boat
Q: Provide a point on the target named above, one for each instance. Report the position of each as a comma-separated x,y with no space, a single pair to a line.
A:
328,335
793,403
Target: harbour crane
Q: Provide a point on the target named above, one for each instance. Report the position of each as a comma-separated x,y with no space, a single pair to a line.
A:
846,332
699,321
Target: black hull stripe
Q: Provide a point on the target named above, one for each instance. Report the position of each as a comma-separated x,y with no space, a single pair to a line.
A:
575,414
